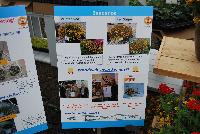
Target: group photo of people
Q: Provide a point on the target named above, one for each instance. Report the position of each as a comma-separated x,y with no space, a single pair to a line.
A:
74,89
104,87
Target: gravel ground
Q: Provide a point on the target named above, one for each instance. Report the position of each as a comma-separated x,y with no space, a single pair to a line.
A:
49,87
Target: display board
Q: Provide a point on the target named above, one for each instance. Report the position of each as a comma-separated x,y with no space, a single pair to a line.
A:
103,64
21,107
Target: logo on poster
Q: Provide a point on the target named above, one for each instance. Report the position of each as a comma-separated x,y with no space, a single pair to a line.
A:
22,21
148,20
70,70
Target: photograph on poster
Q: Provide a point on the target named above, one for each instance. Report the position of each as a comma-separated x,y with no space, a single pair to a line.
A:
8,107
120,33
74,89
133,90
4,52
13,70
91,46
8,127
139,46
104,87
129,78
70,32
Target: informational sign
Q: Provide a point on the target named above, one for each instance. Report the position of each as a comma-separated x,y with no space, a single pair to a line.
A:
103,55
21,107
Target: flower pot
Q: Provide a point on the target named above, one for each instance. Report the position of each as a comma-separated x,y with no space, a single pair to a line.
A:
197,41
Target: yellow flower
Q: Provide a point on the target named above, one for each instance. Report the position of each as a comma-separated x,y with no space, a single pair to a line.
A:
191,98
185,102
176,108
196,19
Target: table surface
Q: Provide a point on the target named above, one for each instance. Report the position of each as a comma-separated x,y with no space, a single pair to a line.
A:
176,58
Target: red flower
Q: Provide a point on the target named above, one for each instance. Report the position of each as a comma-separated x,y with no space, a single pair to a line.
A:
195,133
193,105
164,89
196,92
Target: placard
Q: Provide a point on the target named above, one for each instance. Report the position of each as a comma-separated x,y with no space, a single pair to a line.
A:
21,107
103,55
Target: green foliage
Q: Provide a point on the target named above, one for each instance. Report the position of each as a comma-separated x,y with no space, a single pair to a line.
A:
39,42
169,102
169,16
134,3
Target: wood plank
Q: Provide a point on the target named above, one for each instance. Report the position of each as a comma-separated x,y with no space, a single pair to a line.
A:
184,49
178,68
176,59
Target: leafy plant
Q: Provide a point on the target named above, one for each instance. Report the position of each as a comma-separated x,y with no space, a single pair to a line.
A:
39,42
169,16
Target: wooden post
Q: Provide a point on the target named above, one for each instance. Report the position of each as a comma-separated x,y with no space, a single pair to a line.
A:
50,32
98,130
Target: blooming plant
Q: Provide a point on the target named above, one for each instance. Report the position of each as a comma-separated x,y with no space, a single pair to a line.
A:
120,33
164,89
139,46
196,9
73,31
91,46
179,114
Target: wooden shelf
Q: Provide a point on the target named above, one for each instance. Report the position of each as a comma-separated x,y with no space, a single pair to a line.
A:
176,58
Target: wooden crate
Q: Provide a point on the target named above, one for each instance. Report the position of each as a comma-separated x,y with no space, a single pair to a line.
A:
176,58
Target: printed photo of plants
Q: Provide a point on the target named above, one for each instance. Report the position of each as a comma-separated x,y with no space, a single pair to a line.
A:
4,53
133,90
8,107
139,46
91,46
13,70
70,32
120,33
8,127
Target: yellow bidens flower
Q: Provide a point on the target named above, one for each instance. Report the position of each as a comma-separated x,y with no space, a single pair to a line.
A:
196,19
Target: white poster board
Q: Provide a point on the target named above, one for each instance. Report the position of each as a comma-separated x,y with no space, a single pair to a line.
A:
21,106
106,49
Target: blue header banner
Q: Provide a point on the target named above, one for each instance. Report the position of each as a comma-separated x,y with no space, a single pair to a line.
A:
103,11
12,11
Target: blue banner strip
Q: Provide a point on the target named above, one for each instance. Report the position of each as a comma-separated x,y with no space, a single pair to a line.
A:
102,124
12,11
33,130
103,11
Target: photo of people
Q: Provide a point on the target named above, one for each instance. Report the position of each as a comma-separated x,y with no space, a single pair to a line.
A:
8,127
4,53
133,90
70,32
120,33
74,89
104,87
8,107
